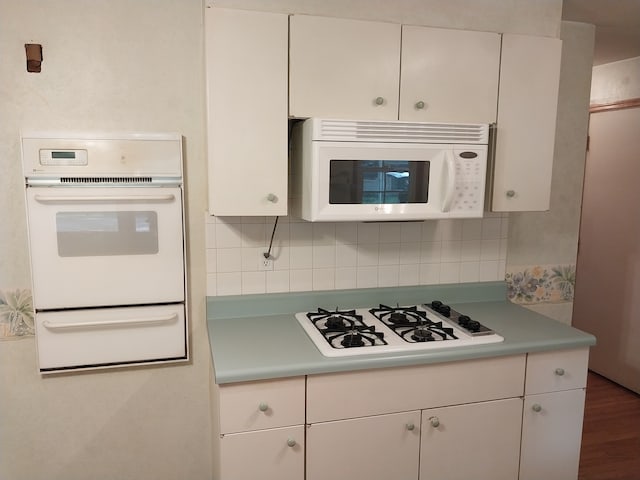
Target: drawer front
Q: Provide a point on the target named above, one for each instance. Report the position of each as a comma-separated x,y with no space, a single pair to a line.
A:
556,370
374,392
259,405
111,336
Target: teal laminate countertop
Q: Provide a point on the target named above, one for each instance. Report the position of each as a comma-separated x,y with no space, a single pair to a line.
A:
257,337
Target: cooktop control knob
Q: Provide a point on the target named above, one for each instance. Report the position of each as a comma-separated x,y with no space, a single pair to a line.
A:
473,325
445,310
463,320
436,304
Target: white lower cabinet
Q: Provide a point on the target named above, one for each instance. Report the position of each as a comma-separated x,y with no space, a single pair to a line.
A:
381,447
258,430
506,418
553,415
551,435
480,441
275,454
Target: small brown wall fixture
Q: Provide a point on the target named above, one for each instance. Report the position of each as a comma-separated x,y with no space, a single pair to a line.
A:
34,57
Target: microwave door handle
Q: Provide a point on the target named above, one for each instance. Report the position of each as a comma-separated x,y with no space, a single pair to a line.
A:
450,172
127,322
103,198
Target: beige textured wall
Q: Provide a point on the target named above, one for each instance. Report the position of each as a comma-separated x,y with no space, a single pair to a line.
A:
616,81
123,65
548,238
108,65
539,17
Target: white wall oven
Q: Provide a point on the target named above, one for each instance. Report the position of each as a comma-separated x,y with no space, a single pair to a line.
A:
106,238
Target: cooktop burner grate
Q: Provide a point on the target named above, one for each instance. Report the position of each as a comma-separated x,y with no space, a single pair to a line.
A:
345,329
412,324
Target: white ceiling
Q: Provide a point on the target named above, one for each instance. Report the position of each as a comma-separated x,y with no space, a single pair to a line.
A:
617,26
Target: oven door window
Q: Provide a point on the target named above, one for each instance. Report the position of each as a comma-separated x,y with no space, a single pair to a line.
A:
378,181
94,234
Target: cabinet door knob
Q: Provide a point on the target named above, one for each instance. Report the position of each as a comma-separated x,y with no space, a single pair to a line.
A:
419,105
379,100
272,198
291,442
511,193
560,371
536,407
434,421
410,426
263,407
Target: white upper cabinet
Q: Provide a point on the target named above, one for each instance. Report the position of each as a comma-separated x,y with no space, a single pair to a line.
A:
527,107
246,57
449,75
343,68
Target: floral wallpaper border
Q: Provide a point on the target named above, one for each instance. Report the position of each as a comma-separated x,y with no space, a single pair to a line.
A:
532,284
16,314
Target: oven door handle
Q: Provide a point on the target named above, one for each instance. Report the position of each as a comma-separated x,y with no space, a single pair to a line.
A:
126,322
104,198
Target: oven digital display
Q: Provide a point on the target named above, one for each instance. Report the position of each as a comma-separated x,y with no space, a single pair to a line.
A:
63,154
358,182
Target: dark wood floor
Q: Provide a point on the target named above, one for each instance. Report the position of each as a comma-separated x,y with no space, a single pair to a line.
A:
611,432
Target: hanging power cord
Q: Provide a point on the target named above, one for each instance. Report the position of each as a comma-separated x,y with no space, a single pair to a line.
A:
267,254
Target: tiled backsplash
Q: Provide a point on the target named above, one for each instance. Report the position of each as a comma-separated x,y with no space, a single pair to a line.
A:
330,256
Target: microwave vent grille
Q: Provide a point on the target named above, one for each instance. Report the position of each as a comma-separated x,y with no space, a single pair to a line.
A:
401,132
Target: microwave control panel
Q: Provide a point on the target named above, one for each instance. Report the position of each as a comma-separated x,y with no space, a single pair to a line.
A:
469,184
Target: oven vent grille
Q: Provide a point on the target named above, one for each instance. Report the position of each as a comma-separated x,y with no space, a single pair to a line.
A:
105,180
400,132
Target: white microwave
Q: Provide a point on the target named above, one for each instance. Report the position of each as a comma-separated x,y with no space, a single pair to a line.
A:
353,170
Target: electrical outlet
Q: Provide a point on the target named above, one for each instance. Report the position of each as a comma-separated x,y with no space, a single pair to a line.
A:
265,264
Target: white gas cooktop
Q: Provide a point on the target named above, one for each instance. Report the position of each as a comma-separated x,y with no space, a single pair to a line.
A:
386,329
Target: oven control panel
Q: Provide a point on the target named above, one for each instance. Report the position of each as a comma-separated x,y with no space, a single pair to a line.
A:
59,158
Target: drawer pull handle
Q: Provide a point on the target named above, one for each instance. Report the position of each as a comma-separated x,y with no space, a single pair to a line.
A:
291,442
434,421
272,197
410,427
511,193
379,100
536,407
263,407
560,371
419,105
127,322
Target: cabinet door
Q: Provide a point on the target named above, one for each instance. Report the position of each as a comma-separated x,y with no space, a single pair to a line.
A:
375,448
246,57
449,75
551,435
527,107
342,68
479,441
276,454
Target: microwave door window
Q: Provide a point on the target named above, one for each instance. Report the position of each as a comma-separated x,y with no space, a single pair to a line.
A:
378,182
90,234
